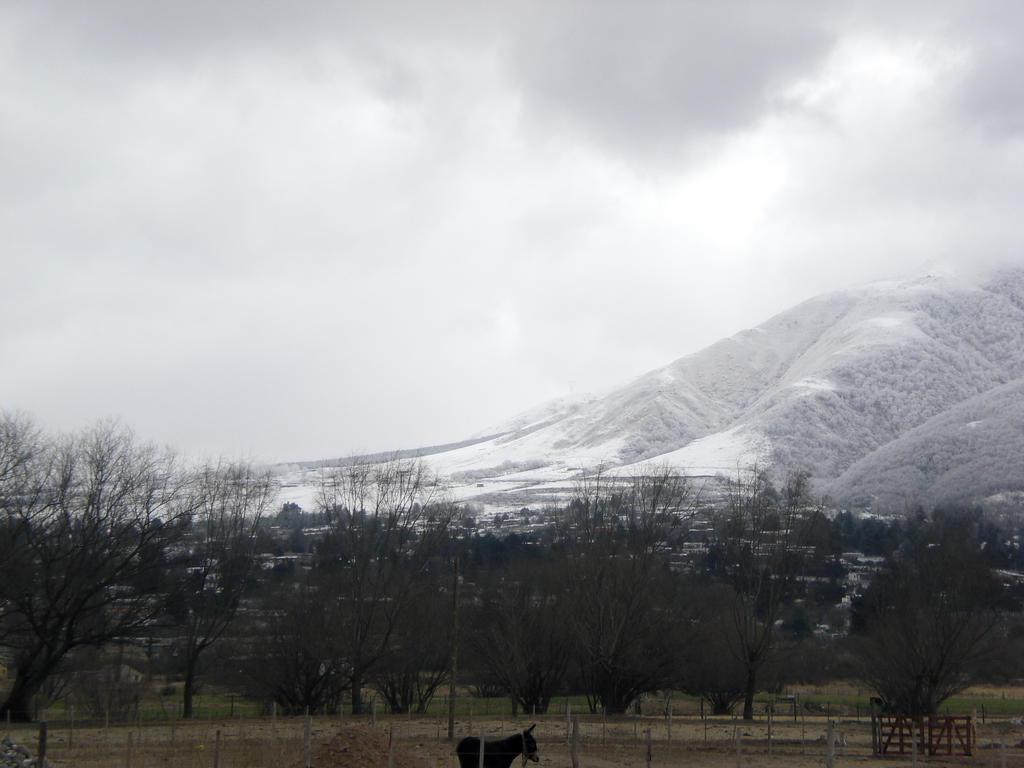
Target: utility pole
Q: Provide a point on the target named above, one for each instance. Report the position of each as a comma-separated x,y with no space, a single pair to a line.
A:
455,649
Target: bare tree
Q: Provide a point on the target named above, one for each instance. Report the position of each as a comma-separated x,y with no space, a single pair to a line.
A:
707,667
21,447
86,521
416,662
20,441
386,524
228,503
928,618
759,556
288,654
521,636
618,584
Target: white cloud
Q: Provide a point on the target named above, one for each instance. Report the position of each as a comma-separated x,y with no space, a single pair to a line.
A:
296,231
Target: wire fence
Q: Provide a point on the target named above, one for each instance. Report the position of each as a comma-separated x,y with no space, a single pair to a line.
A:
257,742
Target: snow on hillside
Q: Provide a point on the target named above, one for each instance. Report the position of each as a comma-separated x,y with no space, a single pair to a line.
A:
820,361
721,453
843,385
949,345
973,451
546,413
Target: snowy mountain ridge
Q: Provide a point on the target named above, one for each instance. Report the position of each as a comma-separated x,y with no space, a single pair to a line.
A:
855,386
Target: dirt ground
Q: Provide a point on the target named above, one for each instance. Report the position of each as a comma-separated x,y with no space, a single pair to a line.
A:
420,743
726,743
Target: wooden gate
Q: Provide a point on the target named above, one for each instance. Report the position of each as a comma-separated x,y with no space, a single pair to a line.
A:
936,735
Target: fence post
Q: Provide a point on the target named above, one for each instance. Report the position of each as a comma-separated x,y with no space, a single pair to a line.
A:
575,740
216,749
42,745
307,738
648,755
876,741
391,747
128,752
830,748
481,764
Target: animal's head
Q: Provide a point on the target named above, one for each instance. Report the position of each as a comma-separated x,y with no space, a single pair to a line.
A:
530,745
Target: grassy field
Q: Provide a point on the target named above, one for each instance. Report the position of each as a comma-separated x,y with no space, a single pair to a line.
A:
230,732
838,700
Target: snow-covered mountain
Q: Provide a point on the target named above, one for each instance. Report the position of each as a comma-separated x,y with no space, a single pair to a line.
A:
972,451
892,392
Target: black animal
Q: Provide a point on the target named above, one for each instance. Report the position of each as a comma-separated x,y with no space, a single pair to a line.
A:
498,754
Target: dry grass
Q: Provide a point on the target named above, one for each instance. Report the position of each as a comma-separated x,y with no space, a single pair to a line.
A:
602,743
181,745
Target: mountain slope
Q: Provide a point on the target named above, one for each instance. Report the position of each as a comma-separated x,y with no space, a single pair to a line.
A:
971,452
913,352
848,385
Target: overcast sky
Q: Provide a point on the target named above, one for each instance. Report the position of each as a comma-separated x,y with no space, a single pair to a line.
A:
290,231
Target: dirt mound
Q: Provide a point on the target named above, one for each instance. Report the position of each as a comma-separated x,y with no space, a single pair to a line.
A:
361,747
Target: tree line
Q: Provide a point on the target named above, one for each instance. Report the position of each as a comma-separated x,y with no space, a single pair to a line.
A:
106,540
